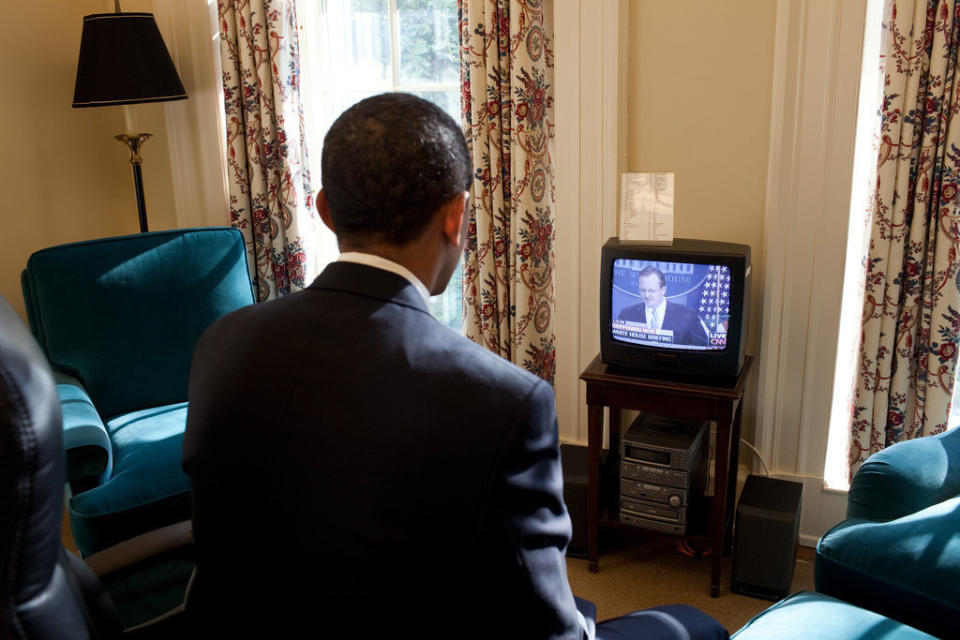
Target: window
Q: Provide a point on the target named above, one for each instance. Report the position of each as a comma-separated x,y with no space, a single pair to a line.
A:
858,236
353,49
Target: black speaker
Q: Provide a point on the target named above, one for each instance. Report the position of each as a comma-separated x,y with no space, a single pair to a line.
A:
573,458
765,537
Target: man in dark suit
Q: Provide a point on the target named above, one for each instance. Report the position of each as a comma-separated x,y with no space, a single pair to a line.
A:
358,468
658,313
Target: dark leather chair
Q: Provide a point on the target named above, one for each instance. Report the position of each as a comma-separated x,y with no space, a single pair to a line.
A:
45,591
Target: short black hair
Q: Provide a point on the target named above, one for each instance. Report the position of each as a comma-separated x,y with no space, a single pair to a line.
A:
389,162
649,271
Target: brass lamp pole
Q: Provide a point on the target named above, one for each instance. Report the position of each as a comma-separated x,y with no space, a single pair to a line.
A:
134,142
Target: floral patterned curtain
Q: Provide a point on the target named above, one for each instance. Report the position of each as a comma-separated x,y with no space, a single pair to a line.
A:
911,314
269,182
506,69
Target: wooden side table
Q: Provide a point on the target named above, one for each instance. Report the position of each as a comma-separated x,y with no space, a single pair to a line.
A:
617,390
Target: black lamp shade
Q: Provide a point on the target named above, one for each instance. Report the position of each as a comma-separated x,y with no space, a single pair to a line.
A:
123,60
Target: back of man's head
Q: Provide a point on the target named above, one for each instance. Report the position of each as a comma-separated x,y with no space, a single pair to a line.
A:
389,162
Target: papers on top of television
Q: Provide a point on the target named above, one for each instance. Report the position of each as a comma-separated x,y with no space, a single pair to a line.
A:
646,207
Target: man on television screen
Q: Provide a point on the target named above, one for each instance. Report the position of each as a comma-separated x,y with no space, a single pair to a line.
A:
659,314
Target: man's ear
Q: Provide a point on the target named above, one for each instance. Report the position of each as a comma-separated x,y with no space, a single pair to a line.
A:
323,208
453,222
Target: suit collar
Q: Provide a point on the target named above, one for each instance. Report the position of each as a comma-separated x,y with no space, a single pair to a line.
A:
361,279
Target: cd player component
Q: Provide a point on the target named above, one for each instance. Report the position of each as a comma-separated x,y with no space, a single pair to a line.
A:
663,471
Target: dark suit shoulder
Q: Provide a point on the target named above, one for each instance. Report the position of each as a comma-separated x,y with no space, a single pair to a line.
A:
255,313
475,365
483,359
428,346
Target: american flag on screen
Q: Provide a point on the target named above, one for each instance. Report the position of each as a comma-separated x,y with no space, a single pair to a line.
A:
715,299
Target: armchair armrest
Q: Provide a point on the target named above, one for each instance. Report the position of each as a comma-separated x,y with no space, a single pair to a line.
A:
135,561
906,477
172,539
85,438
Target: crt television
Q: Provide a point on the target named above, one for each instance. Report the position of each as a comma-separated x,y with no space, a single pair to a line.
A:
677,311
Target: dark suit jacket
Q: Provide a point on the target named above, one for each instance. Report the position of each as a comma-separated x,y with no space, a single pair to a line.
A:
343,437
683,321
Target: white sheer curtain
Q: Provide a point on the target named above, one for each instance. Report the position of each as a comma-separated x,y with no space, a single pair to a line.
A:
319,110
195,127
351,50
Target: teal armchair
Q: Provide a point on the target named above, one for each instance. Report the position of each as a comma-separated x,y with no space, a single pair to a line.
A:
118,319
898,551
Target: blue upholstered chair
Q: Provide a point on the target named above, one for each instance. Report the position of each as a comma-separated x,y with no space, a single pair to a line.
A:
118,319
898,551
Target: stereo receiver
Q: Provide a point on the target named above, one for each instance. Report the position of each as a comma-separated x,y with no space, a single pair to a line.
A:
661,441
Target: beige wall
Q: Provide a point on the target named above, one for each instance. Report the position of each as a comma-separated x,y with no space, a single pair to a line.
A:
63,176
700,80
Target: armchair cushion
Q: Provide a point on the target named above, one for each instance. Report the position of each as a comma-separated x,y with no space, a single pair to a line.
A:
142,493
806,615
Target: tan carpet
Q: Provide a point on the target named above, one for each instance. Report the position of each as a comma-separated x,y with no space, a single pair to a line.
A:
639,571
66,538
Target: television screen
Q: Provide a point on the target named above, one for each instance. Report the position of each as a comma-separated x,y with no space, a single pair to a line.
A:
676,311
670,305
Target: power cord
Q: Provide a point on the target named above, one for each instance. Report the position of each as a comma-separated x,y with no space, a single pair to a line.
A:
766,472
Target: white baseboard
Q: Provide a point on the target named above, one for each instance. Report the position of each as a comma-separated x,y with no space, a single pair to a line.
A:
808,540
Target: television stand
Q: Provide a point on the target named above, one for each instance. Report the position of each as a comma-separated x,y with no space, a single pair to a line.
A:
618,390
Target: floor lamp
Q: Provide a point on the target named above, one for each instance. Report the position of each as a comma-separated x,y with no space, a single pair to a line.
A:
123,61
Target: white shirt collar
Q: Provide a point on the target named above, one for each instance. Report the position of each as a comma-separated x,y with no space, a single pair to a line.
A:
379,262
